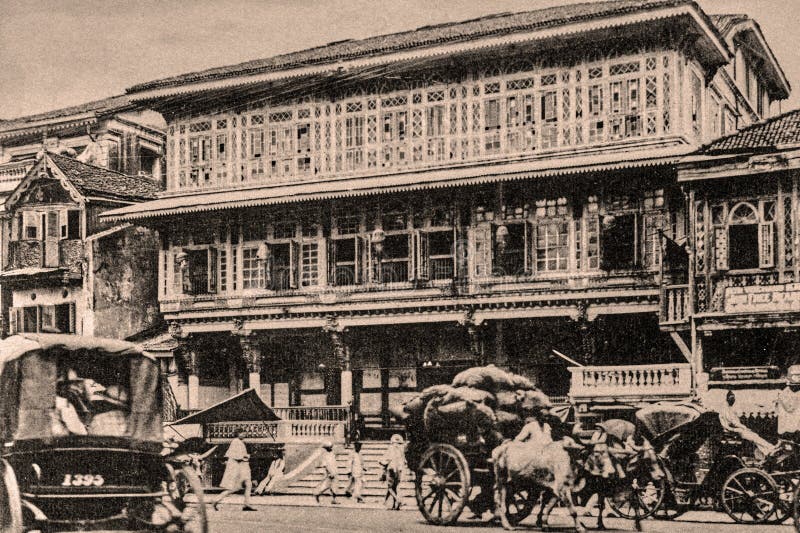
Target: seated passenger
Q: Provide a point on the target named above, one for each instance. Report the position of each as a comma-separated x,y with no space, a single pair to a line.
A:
112,418
600,462
731,422
64,417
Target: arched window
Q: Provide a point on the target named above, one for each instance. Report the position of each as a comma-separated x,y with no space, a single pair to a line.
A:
749,239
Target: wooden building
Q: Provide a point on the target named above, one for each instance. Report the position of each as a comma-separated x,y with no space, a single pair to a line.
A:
353,222
120,137
742,304
65,270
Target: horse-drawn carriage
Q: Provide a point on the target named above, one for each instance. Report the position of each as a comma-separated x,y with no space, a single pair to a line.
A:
80,420
708,468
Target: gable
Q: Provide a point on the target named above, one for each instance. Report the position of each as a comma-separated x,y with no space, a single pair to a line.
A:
44,190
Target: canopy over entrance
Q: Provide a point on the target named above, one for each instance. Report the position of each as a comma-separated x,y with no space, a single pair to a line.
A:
246,406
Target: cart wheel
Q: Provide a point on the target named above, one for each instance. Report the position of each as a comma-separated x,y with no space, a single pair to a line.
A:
10,502
186,494
750,496
639,499
796,508
519,505
442,484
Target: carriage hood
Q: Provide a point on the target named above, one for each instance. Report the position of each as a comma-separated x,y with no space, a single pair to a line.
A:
28,368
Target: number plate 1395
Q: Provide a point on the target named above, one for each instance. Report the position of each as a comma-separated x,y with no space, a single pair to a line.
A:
82,480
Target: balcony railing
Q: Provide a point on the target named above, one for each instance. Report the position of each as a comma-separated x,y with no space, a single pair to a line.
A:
675,304
337,413
488,118
26,254
631,381
66,253
282,431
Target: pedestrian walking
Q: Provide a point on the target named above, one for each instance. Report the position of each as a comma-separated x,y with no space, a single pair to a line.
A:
393,462
328,483
237,472
357,470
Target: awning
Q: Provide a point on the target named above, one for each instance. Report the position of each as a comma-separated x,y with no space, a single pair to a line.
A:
28,272
246,406
453,176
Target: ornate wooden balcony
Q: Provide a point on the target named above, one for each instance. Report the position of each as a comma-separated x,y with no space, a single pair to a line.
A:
65,253
631,382
675,305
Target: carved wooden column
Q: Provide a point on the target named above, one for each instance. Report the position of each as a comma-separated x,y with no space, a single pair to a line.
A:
587,334
475,330
189,357
251,355
341,354
181,357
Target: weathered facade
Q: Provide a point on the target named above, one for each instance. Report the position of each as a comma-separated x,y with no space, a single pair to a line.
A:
64,270
112,133
351,223
742,304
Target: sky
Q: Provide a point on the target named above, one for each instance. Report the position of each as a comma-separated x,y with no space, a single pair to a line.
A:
57,53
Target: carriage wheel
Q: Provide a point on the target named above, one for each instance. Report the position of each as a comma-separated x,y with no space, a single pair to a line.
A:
186,493
10,502
639,499
442,484
519,505
750,496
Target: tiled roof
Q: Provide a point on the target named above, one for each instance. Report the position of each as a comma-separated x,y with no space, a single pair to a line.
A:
492,25
96,181
113,104
724,22
769,134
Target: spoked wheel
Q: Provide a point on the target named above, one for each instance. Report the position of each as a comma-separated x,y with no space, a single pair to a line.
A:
639,498
10,501
186,494
750,496
519,505
796,508
442,484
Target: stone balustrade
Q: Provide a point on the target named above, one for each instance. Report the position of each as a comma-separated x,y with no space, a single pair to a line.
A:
631,381
328,412
281,431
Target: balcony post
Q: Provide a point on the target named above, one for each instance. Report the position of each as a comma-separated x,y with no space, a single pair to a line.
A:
587,333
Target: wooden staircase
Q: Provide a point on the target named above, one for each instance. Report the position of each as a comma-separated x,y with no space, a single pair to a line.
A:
374,489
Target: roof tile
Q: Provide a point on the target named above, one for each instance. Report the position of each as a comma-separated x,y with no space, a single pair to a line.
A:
767,134
96,181
499,24
113,104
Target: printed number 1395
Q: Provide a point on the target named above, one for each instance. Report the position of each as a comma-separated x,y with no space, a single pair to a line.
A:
82,480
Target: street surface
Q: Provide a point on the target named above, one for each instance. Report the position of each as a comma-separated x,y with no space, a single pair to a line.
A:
291,519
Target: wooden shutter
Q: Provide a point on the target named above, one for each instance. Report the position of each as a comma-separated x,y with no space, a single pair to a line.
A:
268,268
721,247
294,265
13,320
212,270
359,246
481,250
766,246
331,262
422,255
369,268
529,255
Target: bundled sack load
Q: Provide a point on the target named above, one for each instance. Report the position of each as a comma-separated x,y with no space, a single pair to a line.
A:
486,401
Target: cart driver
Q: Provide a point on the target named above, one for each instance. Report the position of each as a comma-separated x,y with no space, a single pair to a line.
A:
64,418
730,422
